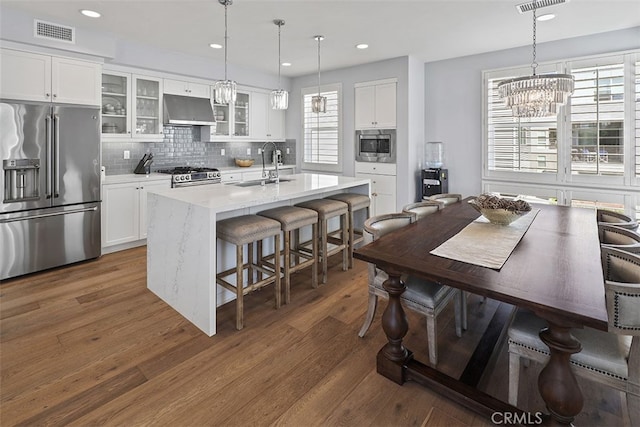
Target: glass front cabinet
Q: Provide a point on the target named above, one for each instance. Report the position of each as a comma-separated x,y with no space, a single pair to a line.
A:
232,120
131,107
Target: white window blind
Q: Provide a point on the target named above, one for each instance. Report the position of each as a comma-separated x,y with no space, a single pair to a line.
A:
527,145
322,145
597,120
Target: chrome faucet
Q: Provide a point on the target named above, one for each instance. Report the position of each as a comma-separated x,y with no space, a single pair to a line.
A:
270,175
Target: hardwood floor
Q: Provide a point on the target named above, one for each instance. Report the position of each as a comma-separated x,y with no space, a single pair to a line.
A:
89,345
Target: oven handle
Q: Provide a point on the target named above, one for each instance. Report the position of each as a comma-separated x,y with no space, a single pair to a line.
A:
192,183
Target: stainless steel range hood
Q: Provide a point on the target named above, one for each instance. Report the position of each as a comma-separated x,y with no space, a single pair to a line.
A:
185,110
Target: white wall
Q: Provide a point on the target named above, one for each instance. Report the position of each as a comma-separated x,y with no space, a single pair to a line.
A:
453,97
409,113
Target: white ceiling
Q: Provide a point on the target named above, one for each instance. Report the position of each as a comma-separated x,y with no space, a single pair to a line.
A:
429,29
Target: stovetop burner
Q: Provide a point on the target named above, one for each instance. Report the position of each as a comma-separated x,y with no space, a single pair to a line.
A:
191,175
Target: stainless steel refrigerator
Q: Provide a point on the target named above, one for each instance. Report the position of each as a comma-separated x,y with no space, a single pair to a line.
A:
50,183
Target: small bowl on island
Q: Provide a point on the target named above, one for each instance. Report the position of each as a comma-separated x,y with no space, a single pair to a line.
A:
244,163
498,210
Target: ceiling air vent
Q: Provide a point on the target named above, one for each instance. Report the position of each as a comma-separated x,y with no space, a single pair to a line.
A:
528,7
50,31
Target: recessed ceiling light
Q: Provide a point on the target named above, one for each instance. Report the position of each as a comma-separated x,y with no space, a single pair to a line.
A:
547,17
215,46
90,13
362,46
286,64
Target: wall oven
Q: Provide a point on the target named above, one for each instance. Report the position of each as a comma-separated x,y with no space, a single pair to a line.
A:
376,145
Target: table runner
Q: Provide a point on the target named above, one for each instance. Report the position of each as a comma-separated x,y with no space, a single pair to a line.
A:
485,244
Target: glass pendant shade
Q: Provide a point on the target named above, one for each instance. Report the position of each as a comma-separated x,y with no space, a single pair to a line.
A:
279,99
536,95
318,104
224,91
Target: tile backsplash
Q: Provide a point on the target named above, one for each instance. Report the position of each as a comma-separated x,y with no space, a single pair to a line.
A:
181,147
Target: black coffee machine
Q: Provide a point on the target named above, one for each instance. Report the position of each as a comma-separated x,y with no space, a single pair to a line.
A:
434,181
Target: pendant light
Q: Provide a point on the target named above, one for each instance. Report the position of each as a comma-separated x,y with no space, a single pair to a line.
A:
279,97
536,95
319,102
224,91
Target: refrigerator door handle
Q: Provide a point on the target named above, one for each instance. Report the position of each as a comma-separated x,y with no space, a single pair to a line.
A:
56,166
49,189
71,211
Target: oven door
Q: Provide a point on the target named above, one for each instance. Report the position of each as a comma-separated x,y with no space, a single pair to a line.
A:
367,148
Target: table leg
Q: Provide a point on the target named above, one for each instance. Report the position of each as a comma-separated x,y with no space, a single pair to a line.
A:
557,383
392,356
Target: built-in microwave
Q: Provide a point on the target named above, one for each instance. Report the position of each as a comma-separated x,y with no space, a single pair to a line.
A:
376,145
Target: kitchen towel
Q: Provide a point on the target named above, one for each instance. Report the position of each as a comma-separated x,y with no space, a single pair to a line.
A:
485,244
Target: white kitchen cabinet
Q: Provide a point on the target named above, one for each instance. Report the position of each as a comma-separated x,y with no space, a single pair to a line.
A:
124,210
186,88
267,124
35,77
232,120
131,107
375,105
383,185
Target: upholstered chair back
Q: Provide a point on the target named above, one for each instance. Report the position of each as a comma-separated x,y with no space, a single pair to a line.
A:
619,238
424,208
622,290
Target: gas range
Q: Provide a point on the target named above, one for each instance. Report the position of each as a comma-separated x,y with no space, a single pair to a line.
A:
183,176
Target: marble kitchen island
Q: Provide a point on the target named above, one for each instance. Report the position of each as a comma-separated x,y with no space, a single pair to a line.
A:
183,253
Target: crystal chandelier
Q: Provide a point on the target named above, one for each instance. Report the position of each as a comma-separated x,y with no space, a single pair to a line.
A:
224,91
279,97
536,95
319,102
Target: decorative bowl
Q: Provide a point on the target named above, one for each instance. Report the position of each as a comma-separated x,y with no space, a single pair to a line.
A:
505,215
244,163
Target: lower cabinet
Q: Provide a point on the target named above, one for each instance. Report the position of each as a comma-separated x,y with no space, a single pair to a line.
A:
253,174
383,185
124,211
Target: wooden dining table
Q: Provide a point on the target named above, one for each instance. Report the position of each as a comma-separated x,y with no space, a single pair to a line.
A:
554,271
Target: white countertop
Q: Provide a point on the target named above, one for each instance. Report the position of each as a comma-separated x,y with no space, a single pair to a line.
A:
226,197
255,166
132,177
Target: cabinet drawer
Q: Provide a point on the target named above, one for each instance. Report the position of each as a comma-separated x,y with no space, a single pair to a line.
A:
376,168
230,177
251,176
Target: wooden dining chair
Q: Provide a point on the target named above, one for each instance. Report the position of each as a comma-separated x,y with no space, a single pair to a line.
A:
425,297
615,218
611,358
624,239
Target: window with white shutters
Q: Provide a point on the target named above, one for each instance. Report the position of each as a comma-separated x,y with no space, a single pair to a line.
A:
637,118
322,131
597,120
589,155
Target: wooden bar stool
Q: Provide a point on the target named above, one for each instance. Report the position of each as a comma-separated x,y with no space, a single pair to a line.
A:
355,202
292,219
245,230
328,209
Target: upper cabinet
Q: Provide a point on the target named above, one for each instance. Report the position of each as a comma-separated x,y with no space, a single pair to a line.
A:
35,77
267,124
186,88
131,107
375,105
232,120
